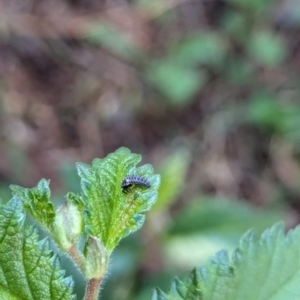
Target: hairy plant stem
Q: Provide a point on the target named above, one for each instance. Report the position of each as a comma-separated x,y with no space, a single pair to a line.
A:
77,257
92,289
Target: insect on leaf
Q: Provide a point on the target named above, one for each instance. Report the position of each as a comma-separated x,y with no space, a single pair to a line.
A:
110,213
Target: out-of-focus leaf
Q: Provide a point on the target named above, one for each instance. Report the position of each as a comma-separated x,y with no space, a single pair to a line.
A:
210,215
178,83
264,110
254,5
178,259
113,39
267,48
235,23
210,224
173,173
203,48
265,268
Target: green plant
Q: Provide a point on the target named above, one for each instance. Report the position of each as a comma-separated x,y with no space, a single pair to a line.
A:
91,224
98,217
265,268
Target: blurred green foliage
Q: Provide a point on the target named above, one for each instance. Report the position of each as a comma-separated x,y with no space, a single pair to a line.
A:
219,216
178,83
208,91
233,277
113,39
267,48
173,174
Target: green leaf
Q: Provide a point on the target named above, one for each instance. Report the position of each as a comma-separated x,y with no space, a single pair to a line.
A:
28,269
173,172
265,268
235,23
230,218
265,110
65,225
178,83
267,48
252,5
201,48
212,223
110,213
37,201
113,39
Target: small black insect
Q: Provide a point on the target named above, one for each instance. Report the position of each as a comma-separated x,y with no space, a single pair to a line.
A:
131,180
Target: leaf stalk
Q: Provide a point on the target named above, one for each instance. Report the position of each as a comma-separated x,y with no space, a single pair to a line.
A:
92,289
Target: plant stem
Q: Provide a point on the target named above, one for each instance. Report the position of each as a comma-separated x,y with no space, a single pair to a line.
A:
92,289
77,257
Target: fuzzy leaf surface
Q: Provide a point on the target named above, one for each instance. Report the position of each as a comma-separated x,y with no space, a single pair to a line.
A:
28,269
260,269
110,213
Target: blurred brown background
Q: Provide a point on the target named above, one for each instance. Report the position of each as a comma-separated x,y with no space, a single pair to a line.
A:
207,91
